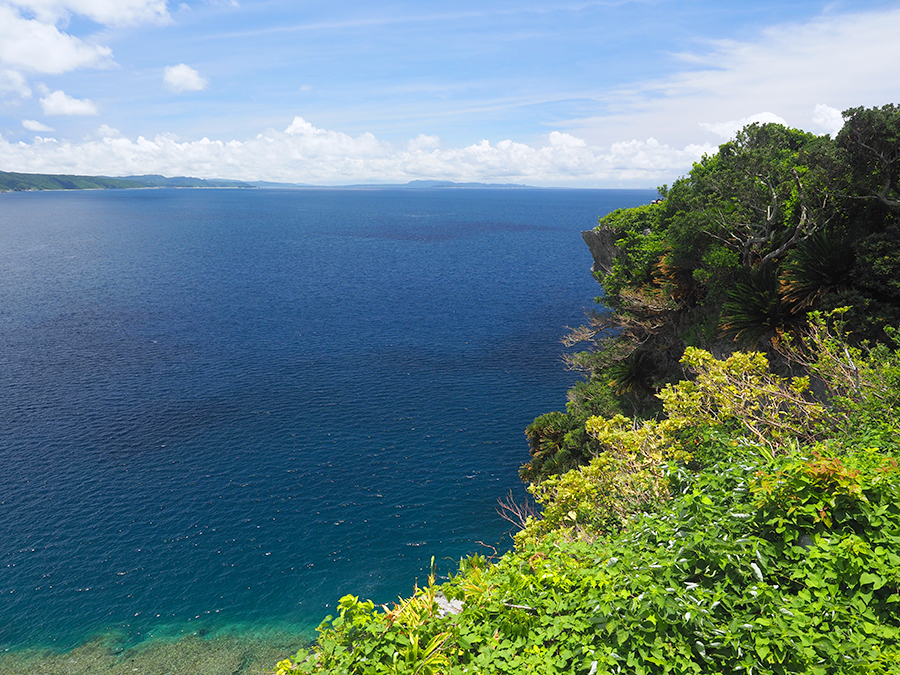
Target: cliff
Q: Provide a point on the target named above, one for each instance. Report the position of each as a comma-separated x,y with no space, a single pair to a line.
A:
602,244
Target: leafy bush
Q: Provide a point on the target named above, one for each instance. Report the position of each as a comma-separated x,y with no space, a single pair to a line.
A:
778,554
589,501
741,396
739,572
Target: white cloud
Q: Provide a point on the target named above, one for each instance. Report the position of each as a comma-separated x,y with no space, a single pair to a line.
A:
827,118
183,78
424,142
34,125
60,103
310,142
106,131
36,46
845,59
12,82
727,130
300,126
306,154
565,140
106,12
33,38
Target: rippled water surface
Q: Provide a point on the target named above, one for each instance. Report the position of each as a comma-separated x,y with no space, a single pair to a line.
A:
224,409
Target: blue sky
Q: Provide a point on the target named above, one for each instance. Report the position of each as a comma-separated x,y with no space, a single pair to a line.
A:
581,94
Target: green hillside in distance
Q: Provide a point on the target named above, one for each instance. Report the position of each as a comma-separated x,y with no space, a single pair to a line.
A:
23,182
18,182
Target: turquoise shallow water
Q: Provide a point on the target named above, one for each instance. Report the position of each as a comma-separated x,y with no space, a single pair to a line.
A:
221,410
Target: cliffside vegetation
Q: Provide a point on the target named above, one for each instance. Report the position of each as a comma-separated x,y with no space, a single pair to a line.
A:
776,224
704,509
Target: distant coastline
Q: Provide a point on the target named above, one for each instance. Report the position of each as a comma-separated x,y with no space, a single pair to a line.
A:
30,182
26,182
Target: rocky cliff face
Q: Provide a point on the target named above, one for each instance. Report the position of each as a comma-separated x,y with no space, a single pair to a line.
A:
602,245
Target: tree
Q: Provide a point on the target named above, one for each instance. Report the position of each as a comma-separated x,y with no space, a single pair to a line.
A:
777,223
871,140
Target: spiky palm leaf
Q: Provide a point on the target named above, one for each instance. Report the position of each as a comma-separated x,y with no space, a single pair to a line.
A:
755,309
820,265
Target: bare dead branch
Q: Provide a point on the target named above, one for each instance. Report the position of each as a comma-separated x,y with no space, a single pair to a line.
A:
515,512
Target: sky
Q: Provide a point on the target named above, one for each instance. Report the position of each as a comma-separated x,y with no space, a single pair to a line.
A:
569,93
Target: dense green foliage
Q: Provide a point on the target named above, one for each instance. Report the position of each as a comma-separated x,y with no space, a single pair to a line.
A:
720,538
776,224
751,524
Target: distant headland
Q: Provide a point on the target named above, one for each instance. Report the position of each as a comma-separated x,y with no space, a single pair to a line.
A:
26,182
22,182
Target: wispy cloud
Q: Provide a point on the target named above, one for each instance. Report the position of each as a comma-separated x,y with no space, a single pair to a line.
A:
836,60
105,12
34,125
14,83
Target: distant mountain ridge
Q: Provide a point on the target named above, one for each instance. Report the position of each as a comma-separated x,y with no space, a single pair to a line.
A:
449,183
444,184
22,182
154,180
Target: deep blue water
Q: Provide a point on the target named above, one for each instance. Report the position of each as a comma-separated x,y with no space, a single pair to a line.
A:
233,407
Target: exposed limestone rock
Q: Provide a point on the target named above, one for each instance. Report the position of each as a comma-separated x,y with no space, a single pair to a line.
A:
602,245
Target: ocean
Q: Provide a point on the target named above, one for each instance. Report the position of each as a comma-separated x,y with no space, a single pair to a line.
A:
221,410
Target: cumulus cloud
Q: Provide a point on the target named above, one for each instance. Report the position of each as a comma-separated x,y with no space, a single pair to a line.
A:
565,140
309,142
34,125
827,118
726,130
33,37
424,142
183,78
60,103
304,153
35,46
